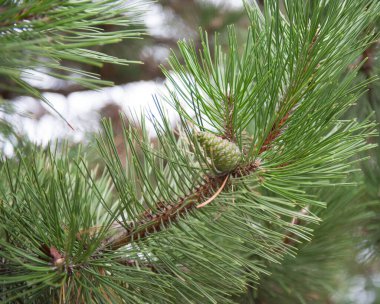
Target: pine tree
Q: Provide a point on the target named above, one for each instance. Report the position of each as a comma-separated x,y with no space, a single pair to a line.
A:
246,200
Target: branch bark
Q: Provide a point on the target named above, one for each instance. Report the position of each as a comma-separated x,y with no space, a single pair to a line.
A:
165,214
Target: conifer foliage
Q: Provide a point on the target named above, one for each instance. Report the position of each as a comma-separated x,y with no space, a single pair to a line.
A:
221,201
50,37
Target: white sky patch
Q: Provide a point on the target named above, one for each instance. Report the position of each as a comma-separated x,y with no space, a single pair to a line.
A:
159,22
157,52
233,4
42,81
80,109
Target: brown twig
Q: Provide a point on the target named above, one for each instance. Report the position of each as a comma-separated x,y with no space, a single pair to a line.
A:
274,133
135,263
166,213
229,126
289,238
367,69
56,258
23,15
215,194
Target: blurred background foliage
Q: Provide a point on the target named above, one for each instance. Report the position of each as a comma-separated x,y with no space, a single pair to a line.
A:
356,269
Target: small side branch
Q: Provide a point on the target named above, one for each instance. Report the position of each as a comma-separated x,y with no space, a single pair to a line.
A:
367,69
215,194
289,238
274,133
135,263
229,132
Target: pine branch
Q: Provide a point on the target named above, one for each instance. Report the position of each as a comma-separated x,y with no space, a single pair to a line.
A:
169,212
246,156
53,37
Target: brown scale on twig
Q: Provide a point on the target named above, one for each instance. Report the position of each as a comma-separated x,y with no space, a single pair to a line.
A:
151,222
229,126
274,133
247,169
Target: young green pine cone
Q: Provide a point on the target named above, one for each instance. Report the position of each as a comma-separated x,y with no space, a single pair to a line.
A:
224,154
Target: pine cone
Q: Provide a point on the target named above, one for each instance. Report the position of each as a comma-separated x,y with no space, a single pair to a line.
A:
224,154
